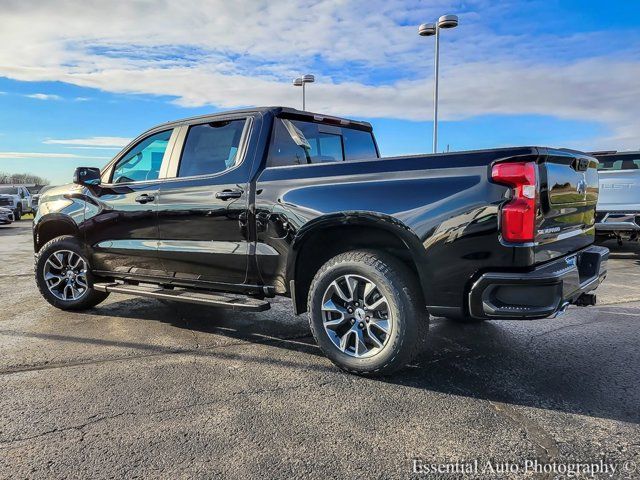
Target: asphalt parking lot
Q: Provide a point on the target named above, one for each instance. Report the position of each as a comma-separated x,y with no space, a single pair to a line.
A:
138,388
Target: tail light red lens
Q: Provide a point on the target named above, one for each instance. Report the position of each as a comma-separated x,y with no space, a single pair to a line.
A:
518,216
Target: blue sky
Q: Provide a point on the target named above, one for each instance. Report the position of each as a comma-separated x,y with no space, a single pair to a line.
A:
559,73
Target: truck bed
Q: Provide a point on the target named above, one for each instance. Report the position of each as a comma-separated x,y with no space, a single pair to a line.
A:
446,204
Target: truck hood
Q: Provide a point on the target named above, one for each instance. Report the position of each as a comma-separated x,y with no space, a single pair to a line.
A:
68,189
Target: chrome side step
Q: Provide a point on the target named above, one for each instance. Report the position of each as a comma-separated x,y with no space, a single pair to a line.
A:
186,296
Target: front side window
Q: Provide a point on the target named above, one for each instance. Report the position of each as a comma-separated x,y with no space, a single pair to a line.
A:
211,148
143,161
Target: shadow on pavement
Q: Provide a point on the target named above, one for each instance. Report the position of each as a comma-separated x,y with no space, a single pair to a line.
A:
494,361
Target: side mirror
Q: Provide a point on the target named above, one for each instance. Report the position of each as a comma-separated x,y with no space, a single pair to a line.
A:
89,176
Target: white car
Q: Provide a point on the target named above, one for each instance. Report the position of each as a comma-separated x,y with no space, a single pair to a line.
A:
17,198
6,216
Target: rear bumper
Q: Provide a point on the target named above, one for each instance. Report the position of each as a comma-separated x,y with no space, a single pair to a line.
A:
541,292
618,222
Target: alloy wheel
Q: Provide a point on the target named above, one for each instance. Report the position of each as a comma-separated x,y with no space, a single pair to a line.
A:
356,316
65,274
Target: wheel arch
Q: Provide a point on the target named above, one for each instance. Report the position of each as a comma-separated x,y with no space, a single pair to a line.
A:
331,235
51,226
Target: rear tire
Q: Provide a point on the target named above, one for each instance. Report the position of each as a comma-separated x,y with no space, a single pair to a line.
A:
63,275
366,313
18,213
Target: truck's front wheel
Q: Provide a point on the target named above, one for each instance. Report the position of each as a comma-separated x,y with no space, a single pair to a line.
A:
64,277
365,312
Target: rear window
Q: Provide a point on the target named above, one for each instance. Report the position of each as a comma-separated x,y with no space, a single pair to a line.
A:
619,162
296,142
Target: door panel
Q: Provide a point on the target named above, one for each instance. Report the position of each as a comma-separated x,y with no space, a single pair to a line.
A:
123,232
203,237
121,217
202,214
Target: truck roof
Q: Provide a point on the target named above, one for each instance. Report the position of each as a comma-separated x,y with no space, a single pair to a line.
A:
279,110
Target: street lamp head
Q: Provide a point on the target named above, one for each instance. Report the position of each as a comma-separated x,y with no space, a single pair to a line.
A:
297,82
308,79
448,21
427,30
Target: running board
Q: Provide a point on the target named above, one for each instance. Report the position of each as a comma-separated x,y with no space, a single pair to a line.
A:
187,296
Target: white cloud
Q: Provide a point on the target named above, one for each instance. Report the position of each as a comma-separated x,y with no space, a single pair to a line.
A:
18,155
91,142
44,96
230,54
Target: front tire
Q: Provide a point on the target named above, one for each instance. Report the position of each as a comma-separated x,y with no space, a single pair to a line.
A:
366,313
18,213
63,275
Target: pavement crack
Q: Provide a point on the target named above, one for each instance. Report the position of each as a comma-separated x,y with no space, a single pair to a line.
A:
544,443
90,421
160,351
99,417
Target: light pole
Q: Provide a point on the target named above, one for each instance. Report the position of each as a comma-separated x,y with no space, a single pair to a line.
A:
428,30
300,82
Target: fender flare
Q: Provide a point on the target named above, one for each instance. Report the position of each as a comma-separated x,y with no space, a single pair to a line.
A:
48,219
365,219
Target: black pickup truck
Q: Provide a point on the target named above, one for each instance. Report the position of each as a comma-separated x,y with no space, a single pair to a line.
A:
232,209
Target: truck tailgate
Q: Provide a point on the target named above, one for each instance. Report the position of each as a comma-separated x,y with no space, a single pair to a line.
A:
568,197
619,191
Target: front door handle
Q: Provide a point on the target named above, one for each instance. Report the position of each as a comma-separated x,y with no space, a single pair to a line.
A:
145,198
228,194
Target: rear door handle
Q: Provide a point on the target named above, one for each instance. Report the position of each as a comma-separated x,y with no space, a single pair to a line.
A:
228,194
145,198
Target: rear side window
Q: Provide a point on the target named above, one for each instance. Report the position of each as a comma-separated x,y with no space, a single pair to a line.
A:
619,162
295,142
211,148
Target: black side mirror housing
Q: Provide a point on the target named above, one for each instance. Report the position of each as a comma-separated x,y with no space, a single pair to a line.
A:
89,176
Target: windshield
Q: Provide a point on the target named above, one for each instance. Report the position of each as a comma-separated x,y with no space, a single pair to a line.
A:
619,162
8,190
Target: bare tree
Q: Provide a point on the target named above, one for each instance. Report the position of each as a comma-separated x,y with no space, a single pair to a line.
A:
22,179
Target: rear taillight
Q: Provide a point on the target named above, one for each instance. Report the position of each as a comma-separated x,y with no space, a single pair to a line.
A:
518,216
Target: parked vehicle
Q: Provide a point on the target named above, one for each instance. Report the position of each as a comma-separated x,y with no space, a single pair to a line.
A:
35,197
618,209
17,198
6,216
275,201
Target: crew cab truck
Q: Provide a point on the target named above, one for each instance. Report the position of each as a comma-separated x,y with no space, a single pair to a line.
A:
232,209
618,209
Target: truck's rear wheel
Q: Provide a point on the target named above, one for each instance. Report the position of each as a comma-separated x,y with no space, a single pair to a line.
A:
18,213
365,312
63,275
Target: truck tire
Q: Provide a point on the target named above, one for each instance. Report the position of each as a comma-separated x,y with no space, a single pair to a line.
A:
18,213
63,275
365,312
